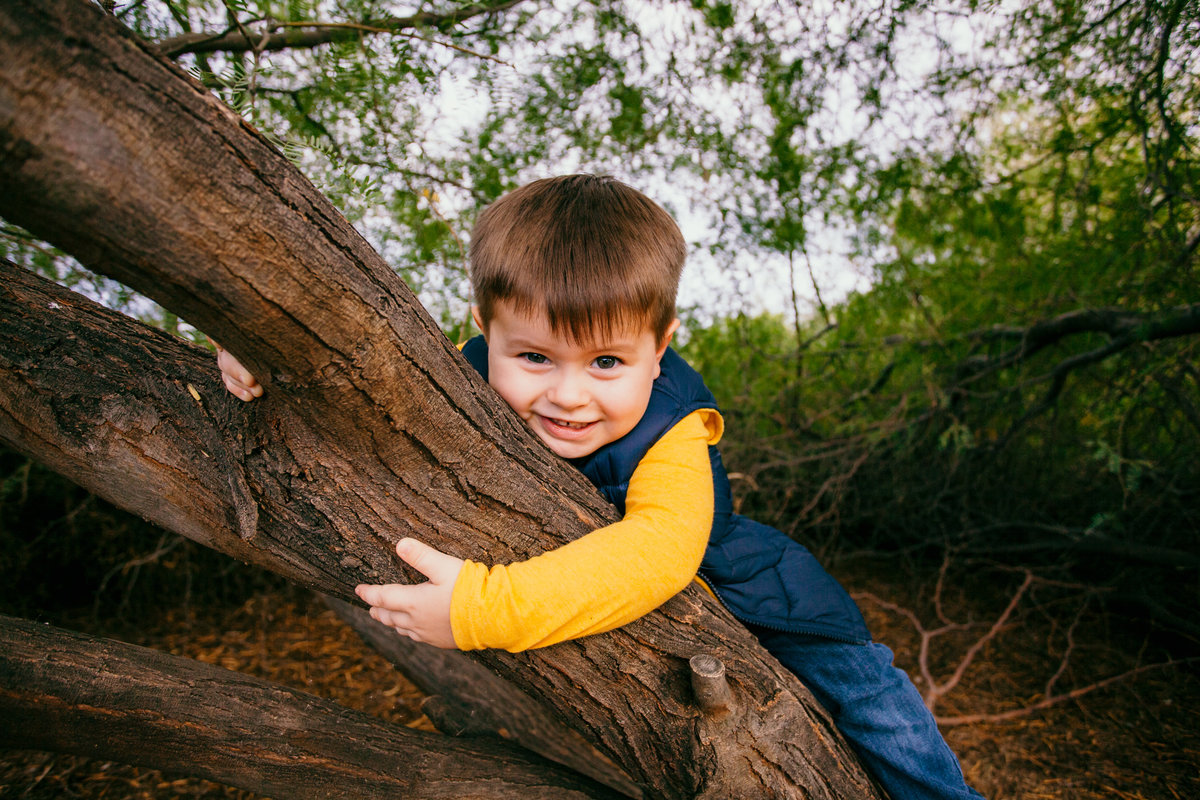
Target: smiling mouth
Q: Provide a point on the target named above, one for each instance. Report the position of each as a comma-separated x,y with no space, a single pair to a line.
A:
565,428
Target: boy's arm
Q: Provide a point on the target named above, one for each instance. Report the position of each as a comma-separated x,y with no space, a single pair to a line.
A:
611,576
601,581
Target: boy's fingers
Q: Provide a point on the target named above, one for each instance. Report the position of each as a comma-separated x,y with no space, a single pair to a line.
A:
387,596
433,564
233,386
238,390
232,368
392,619
390,610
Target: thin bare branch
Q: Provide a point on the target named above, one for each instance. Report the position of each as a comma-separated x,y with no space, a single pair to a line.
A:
935,690
1048,702
283,36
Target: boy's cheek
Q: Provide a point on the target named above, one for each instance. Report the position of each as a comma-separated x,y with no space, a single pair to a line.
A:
512,390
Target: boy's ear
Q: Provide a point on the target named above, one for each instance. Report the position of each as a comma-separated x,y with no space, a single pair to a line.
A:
662,346
478,321
666,339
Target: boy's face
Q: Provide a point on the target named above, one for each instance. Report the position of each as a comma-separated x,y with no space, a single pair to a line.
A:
577,397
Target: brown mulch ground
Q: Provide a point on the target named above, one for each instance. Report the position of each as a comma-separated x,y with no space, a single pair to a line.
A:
1139,738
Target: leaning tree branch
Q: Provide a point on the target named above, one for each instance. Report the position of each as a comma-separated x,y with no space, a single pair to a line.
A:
100,698
1125,329
288,36
1063,539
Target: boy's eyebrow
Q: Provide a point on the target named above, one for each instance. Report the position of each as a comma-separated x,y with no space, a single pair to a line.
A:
613,342
529,342
621,344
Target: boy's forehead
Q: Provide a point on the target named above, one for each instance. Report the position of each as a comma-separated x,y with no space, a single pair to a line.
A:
535,324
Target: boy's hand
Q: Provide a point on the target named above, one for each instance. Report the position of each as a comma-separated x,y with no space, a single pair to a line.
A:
422,611
238,380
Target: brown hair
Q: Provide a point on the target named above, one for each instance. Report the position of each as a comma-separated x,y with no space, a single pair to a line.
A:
591,253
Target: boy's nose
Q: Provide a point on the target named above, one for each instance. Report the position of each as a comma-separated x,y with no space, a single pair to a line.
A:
568,392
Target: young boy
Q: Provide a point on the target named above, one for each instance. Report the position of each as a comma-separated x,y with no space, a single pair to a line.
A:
575,281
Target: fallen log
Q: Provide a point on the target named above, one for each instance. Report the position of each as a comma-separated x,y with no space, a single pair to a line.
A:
73,693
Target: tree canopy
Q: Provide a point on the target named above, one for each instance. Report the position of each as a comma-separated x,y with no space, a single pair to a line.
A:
804,147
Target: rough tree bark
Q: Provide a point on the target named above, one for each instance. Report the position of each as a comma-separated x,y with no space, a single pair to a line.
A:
373,426
73,693
463,698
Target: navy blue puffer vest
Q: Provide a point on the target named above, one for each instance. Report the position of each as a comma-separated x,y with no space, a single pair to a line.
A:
761,575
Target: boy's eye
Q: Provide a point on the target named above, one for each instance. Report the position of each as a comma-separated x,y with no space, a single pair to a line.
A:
607,362
534,358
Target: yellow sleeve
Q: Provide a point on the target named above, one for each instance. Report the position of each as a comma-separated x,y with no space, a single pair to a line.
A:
614,574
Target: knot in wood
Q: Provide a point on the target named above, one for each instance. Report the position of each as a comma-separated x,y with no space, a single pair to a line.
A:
709,685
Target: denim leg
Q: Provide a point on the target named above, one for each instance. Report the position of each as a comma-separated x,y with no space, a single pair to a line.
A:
878,710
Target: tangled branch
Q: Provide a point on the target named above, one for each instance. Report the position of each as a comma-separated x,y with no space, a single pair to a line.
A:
285,36
936,690
1051,696
1123,329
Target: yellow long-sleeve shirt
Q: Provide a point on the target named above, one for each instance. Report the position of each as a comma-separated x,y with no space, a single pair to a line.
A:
614,574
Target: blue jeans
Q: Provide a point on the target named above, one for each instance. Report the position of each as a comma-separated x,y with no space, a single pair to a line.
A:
878,710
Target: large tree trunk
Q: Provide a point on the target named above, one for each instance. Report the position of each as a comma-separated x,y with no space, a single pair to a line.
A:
95,697
373,426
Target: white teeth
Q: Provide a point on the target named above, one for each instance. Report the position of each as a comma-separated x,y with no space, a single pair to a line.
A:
568,424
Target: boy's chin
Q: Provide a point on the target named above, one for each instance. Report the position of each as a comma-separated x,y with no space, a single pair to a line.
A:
571,450
568,449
